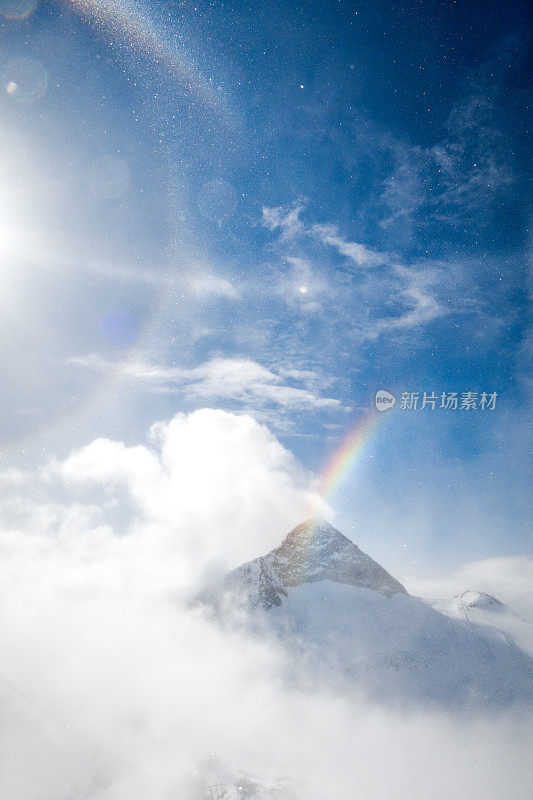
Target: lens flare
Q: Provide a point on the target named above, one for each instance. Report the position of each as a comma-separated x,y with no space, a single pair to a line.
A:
25,80
17,10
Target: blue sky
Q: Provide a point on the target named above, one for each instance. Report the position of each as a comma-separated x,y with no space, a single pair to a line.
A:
276,208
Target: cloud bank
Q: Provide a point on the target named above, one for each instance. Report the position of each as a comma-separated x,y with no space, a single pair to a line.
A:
114,687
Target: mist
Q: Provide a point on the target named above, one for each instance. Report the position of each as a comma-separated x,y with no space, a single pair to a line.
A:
114,686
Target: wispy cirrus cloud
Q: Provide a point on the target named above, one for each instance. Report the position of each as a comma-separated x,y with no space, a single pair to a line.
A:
464,172
287,221
239,380
422,308
357,253
381,296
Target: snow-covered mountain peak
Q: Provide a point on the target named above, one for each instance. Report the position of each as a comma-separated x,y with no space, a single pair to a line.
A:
311,546
342,619
313,551
473,606
480,600
316,533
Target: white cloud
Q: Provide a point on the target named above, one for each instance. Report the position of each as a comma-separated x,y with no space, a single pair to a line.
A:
358,253
113,688
204,473
422,308
464,172
509,578
211,285
404,190
12,477
359,303
287,220
236,379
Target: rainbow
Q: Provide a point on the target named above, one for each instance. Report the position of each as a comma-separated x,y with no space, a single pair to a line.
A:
129,21
342,460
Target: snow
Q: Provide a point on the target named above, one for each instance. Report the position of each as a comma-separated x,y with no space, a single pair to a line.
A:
485,610
397,649
310,552
346,623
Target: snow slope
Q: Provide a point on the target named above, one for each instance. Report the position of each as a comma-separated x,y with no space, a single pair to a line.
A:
397,648
481,608
346,622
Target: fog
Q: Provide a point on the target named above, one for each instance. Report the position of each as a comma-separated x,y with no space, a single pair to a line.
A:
114,687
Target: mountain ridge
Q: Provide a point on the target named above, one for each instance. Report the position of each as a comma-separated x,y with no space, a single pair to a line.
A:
312,551
343,620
